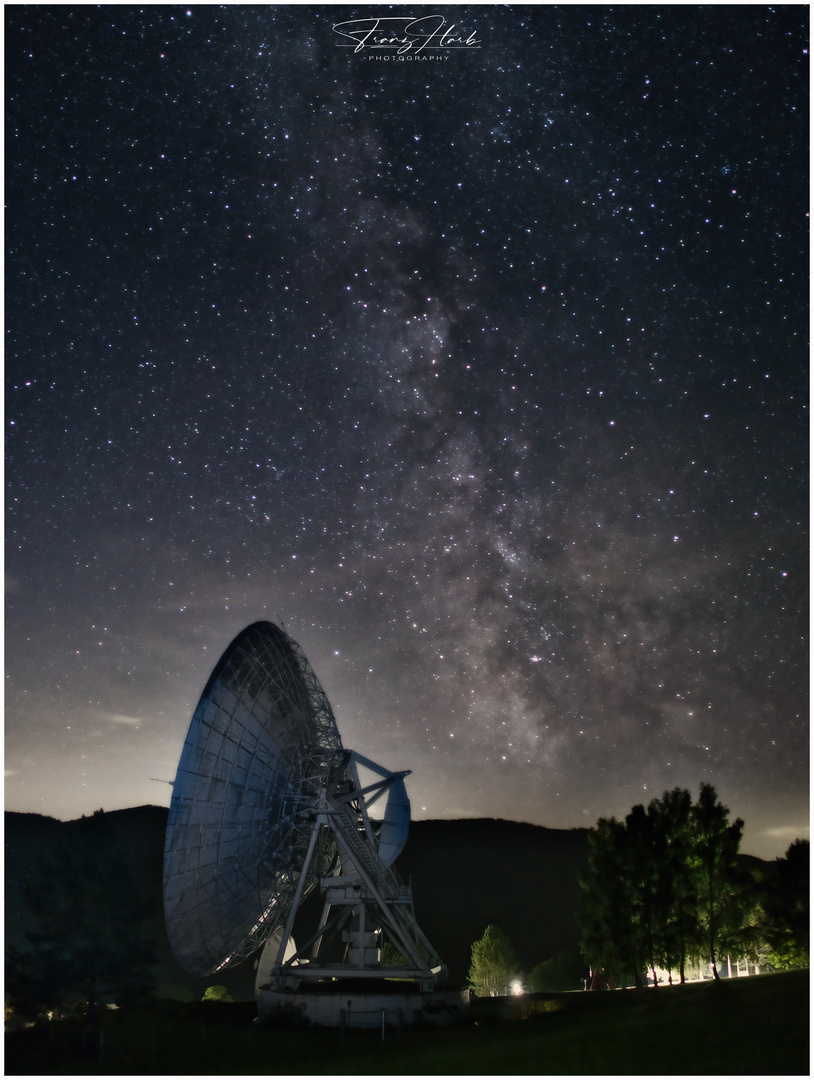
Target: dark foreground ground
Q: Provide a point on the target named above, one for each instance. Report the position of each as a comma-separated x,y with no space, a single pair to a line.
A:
758,1025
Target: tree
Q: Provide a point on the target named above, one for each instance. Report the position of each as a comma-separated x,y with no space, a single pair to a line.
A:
662,886
88,939
217,993
627,893
564,971
749,940
611,938
647,884
494,964
786,909
390,954
678,928
716,844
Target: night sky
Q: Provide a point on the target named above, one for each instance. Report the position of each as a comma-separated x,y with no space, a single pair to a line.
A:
485,374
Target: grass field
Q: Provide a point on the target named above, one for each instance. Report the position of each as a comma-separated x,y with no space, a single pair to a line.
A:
758,1025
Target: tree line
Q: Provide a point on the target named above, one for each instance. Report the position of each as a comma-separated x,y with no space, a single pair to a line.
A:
87,939
663,889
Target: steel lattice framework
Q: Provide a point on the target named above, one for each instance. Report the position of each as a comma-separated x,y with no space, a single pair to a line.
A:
261,743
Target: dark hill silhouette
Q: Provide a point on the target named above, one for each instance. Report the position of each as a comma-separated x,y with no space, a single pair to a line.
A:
465,874
30,837
469,873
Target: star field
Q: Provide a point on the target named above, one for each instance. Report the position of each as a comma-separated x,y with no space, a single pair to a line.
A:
487,376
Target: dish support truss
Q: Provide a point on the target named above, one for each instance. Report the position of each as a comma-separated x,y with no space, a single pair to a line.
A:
365,899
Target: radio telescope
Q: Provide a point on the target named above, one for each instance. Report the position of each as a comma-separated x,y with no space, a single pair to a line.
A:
267,805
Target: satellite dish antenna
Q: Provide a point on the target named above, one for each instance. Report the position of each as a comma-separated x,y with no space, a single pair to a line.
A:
266,805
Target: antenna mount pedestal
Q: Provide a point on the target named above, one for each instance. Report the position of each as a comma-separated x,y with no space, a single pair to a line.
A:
365,900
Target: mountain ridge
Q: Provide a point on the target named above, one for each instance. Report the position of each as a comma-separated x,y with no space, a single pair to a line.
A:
465,873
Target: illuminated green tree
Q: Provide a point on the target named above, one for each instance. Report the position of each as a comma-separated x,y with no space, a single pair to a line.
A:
786,909
494,964
390,954
564,971
648,883
662,887
678,926
720,895
611,934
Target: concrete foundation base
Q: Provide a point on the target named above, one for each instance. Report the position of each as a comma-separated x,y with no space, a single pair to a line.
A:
362,1009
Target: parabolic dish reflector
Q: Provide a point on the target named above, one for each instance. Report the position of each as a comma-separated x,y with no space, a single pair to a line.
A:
258,749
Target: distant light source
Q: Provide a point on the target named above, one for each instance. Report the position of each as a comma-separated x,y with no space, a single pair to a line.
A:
517,987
